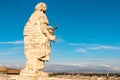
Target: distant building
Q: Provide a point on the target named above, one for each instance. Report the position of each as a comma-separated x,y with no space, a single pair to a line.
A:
10,71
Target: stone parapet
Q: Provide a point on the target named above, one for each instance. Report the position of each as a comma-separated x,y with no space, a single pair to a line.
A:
19,77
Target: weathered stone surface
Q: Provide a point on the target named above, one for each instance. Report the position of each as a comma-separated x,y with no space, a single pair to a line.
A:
37,35
18,77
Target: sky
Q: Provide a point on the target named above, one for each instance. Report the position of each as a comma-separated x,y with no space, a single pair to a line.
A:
88,33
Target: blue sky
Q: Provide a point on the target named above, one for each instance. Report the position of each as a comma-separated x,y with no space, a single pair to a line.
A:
88,33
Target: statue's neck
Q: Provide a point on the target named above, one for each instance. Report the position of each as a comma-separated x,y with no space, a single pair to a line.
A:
40,11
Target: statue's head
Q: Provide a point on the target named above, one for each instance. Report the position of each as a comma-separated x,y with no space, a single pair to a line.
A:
41,7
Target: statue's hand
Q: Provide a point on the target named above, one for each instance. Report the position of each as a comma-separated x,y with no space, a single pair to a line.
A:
50,30
52,38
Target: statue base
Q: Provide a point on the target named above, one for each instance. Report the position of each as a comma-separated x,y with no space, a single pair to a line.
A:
38,74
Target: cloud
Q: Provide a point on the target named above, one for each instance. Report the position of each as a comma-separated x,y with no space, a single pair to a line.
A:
17,66
105,65
84,47
116,68
1,65
76,44
11,50
81,50
12,42
81,68
109,67
60,40
104,47
82,44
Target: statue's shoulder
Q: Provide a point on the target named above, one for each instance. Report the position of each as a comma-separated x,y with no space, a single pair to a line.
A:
38,13
35,14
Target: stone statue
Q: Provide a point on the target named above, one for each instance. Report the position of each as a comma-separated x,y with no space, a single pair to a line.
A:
37,35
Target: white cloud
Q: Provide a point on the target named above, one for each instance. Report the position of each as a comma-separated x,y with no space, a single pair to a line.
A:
97,66
116,68
82,47
104,47
12,42
113,68
81,50
76,44
60,40
95,46
81,65
82,44
105,65
11,50
82,68
1,65
18,66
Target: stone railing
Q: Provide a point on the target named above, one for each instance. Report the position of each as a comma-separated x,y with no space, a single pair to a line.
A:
18,77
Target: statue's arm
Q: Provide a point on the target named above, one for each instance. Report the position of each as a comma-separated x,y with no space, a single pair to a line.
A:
47,31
